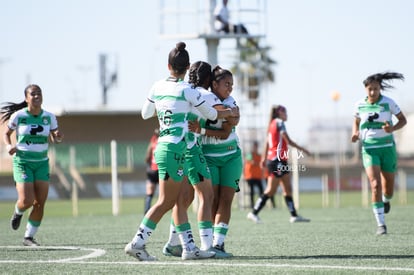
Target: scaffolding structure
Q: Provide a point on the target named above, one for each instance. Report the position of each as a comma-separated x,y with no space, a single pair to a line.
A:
182,20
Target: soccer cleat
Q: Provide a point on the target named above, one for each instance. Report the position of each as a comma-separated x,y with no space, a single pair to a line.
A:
254,218
197,254
139,253
387,207
294,219
29,241
15,221
220,252
382,230
172,250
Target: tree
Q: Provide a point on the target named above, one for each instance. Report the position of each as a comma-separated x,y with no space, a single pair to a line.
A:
253,68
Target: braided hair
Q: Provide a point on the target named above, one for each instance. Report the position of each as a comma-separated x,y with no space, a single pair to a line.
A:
200,74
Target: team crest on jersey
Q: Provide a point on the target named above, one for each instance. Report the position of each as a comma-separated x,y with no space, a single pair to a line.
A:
180,172
45,121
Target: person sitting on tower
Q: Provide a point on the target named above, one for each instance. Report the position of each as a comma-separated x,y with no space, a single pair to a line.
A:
222,22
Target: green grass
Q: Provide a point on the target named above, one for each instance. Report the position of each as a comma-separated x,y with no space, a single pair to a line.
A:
336,241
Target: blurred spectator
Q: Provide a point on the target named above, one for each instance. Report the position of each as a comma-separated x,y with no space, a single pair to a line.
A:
253,172
152,171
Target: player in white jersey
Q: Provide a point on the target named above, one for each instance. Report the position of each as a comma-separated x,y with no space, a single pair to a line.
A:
221,148
198,173
171,100
33,126
373,125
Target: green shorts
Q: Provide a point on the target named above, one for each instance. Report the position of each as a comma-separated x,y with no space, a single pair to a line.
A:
170,159
197,165
385,157
30,171
226,170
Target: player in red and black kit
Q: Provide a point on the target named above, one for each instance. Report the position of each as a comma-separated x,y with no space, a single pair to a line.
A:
275,157
152,171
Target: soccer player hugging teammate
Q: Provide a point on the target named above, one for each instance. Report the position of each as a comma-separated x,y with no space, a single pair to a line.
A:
171,99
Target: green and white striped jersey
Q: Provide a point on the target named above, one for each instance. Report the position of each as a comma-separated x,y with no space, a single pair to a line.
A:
172,100
372,118
194,115
32,133
215,147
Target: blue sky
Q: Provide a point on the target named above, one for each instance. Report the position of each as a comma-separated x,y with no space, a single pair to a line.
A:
320,45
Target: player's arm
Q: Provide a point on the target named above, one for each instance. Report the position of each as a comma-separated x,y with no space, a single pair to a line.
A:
56,135
194,126
294,144
148,154
7,140
148,110
355,129
402,121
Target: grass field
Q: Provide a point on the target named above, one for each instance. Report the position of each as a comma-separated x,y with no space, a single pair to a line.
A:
336,241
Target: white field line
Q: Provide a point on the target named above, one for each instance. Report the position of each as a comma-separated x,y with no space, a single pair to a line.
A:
95,253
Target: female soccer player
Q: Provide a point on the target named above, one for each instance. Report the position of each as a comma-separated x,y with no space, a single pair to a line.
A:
198,173
276,159
33,126
220,146
151,170
171,99
373,125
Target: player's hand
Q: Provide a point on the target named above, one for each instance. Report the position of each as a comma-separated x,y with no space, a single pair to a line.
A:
194,126
387,127
355,137
235,112
11,149
57,137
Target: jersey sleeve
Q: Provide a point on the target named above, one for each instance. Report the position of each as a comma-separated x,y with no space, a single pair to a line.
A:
12,123
356,110
148,109
394,108
198,101
230,102
212,100
53,122
281,126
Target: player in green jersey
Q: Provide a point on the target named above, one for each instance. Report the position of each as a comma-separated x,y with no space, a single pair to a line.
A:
373,126
171,100
221,149
198,173
33,127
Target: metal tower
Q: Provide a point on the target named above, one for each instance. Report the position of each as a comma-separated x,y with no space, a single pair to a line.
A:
184,19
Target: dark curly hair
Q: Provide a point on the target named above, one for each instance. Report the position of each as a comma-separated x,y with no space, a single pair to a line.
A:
200,74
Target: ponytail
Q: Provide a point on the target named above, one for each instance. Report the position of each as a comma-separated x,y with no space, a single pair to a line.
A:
9,108
383,79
